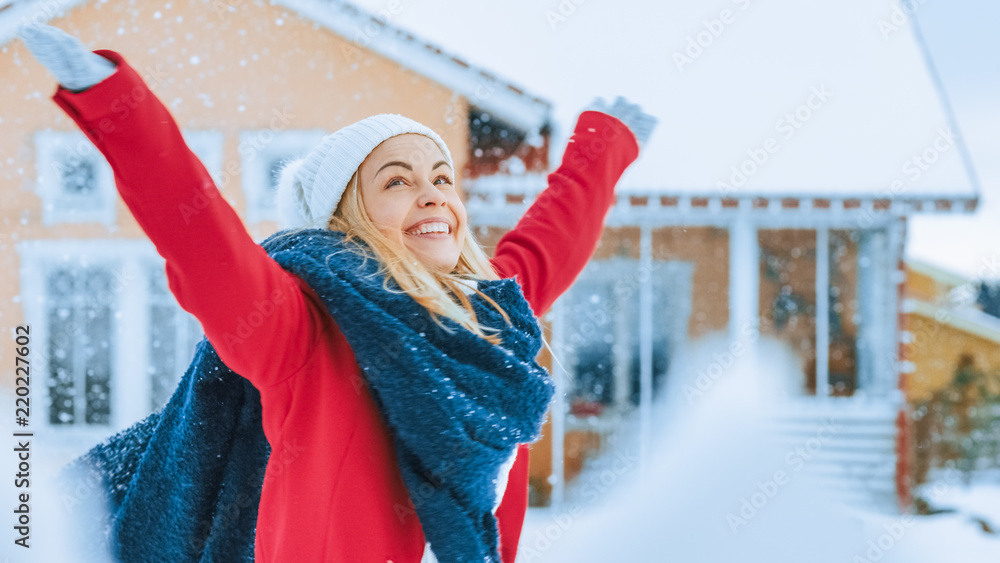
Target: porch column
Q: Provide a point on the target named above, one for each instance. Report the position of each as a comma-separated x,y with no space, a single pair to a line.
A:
744,281
822,312
645,348
558,410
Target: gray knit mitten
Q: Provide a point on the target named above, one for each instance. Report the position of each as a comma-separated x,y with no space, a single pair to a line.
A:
641,124
75,67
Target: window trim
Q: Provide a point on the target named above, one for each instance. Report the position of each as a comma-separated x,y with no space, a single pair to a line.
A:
52,148
257,148
609,270
130,262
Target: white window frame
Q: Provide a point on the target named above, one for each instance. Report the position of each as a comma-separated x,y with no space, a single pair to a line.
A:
257,150
130,262
207,146
638,418
52,149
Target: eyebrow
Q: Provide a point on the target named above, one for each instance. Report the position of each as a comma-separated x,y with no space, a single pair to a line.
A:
406,166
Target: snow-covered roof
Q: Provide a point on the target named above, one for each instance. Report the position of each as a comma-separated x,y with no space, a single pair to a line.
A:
936,273
844,90
372,31
835,105
967,319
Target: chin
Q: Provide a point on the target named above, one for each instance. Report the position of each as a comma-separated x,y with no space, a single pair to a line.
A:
441,264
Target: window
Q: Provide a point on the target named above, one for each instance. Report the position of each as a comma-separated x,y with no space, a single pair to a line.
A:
74,180
111,342
173,334
602,308
81,345
76,183
601,343
262,155
207,146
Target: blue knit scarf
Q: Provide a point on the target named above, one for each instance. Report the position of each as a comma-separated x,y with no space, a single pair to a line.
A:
185,482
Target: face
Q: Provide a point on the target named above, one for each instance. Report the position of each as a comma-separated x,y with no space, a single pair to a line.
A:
409,193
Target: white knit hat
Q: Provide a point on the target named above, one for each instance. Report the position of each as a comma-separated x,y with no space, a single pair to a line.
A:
310,188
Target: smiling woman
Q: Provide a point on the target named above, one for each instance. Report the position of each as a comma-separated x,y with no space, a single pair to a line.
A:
382,436
394,178
410,195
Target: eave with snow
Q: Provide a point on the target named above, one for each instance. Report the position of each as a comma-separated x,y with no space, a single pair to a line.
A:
508,103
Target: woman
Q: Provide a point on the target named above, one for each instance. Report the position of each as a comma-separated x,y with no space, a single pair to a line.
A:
391,438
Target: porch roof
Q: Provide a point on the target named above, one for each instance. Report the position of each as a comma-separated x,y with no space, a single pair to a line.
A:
501,200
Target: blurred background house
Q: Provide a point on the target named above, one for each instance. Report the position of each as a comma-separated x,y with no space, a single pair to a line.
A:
952,349
772,202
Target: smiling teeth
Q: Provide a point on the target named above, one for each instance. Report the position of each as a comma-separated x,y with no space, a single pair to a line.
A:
430,228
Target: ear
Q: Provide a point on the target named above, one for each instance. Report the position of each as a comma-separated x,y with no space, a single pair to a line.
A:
293,211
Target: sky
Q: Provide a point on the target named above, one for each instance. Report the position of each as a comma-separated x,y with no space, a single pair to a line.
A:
549,49
965,47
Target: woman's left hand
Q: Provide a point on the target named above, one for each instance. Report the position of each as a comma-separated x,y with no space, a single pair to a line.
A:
641,124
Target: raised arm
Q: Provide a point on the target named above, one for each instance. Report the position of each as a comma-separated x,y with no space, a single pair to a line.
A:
261,319
556,237
554,240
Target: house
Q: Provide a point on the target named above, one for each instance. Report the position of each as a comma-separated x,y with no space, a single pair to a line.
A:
951,347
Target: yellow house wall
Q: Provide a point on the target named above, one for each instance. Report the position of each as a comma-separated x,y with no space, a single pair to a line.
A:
935,352
936,347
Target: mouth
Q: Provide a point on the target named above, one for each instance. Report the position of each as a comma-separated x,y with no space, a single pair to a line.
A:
431,230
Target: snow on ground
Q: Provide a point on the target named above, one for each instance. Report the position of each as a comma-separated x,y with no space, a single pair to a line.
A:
720,490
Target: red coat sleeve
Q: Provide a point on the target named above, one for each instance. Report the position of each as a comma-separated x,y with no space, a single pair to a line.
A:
554,240
261,319
549,247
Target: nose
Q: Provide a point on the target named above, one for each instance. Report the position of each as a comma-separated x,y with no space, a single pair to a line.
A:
430,194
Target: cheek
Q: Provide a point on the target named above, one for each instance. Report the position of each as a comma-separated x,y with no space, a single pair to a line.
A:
387,215
459,208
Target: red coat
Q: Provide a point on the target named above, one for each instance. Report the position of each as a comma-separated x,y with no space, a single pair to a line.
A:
332,489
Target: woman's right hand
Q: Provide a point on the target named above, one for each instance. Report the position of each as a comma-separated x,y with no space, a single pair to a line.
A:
75,67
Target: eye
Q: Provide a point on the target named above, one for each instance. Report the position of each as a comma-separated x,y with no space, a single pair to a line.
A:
392,182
